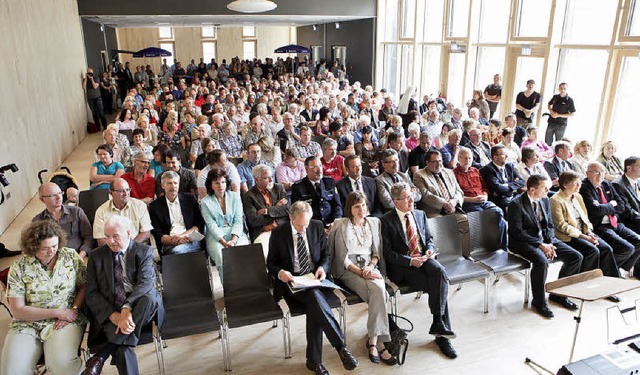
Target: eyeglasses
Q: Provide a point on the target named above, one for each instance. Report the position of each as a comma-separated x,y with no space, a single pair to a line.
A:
595,173
144,161
122,191
406,199
52,195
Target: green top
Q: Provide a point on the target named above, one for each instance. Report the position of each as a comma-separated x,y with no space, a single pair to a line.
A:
28,279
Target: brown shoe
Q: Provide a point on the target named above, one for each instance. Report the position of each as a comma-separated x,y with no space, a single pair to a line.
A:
94,366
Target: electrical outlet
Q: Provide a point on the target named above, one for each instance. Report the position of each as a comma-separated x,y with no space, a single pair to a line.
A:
8,195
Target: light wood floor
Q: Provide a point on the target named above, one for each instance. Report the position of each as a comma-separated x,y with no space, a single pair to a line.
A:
497,342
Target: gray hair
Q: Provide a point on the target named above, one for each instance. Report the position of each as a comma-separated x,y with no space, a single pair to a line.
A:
118,221
398,188
259,169
454,131
364,119
328,142
465,151
300,207
143,155
168,175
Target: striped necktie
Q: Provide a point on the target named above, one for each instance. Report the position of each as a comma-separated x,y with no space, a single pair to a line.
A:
303,256
118,281
412,237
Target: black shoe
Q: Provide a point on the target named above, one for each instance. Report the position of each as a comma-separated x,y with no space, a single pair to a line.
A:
446,348
94,366
348,360
391,361
373,358
615,299
544,310
564,302
438,330
317,368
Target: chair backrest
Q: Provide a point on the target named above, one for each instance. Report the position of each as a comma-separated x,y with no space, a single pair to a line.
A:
234,161
318,139
90,200
244,269
484,231
128,133
185,278
446,237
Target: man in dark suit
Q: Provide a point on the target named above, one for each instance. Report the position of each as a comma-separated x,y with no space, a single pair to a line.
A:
121,297
481,149
501,177
319,191
408,253
531,235
605,208
299,249
175,216
628,188
309,113
559,163
356,181
396,143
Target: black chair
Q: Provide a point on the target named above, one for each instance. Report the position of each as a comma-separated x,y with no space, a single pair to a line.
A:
247,296
187,295
235,161
484,247
448,242
128,133
90,200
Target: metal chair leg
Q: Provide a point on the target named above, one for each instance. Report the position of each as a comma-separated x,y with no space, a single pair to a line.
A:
275,324
157,340
527,277
419,294
486,295
287,322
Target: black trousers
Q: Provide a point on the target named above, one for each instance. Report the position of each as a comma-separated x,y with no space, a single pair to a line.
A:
97,110
625,244
571,262
602,256
320,319
432,279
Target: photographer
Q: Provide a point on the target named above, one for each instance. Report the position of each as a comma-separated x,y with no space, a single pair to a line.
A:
94,99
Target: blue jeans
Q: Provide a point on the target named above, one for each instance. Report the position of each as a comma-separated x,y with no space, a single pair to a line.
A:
502,224
189,247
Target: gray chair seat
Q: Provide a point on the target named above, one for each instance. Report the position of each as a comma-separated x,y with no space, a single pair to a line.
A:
461,270
251,308
500,261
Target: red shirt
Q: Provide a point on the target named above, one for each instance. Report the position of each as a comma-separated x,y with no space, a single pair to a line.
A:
471,182
140,190
333,169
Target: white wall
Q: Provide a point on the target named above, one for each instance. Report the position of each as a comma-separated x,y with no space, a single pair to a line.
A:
42,110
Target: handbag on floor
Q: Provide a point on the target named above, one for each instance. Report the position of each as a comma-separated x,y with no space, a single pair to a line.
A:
399,343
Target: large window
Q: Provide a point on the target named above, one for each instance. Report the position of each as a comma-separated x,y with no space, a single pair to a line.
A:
390,69
625,111
582,15
408,19
430,70
208,51
489,62
493,21
209,32
165,32
455,79
249,49
431,15
248,31
406,66
390,20
633,21
169,46
532,18
458,20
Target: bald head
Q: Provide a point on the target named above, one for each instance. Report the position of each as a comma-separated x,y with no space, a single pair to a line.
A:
51,195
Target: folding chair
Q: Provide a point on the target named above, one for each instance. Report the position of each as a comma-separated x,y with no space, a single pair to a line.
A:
484,247
247,296
90,200
448,242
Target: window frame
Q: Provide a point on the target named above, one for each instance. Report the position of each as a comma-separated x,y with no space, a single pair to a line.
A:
514,37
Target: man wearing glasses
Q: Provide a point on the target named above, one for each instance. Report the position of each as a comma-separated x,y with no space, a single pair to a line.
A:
143,186
122,204
70,218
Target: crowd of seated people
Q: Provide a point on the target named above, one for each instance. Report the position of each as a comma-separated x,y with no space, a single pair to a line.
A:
238,151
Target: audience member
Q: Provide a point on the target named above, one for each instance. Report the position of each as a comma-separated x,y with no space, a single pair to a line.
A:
188,181
332,163
527,103
561,107
559,163
628,188
319,192
355,181
612,164
104,171
391,175
502,178
441,194
143,186
254,157
581,157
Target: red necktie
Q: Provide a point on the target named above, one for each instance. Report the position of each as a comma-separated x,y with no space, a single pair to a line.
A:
412,238
612,218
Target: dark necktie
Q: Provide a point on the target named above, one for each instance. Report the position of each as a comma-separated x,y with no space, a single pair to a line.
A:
303,257
318,189
612,218
358,186
118,281
395,178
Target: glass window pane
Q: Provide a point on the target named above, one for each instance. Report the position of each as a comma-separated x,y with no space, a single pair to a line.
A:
458,18
248,31
633,24
208,32
430,71
408,18
390,65
455,82
249,49
532,18
169,47
494,25
586,93
208,51
582,15
622,131
406,67
391,21
165,32
489,62
432,20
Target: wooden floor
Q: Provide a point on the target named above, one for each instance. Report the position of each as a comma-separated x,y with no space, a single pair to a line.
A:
497,342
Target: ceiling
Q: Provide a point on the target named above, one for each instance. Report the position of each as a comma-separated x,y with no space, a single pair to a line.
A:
121,21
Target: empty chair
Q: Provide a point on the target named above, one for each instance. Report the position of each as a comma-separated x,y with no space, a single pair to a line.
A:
247,295
90,200
484,247
448,242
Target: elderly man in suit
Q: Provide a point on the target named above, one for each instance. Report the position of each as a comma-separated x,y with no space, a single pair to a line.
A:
355,181
265,205
319,191
628,188
481,149
531,235
441,194
299,249
605,208
175,216
121,296
409,255
559,163
501,177
390,176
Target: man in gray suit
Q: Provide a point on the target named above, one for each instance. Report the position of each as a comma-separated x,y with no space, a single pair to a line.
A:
121,296
628,188
441,194
390,176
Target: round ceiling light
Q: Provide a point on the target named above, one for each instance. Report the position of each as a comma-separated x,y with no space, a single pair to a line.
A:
252,6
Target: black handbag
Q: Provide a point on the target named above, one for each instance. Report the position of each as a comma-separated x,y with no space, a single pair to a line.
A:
399,343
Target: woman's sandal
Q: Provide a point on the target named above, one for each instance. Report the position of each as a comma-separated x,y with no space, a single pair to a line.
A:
372,358
392,361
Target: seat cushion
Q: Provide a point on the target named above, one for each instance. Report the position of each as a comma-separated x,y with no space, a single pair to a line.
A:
501,261
189,319
251,308
462,270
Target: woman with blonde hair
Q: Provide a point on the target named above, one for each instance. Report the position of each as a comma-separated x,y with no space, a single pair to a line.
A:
581,157
150,135
270,154
612,164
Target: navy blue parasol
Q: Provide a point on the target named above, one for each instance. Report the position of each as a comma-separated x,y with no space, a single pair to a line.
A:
152,52
292,48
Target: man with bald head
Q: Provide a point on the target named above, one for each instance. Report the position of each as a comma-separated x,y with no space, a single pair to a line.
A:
71,219
121,203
